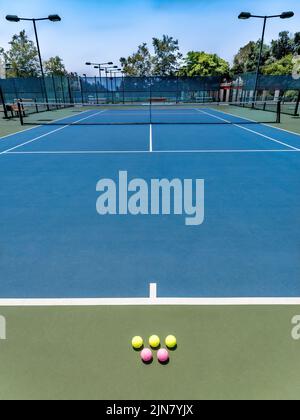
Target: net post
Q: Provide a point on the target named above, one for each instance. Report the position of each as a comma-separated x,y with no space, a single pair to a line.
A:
278,120
20,113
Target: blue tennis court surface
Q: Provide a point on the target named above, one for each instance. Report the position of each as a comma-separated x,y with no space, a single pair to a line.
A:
54,244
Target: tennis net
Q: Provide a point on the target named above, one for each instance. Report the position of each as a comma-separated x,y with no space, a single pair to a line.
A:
149,113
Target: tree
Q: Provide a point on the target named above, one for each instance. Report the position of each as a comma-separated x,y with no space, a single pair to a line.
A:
167,56
55,67
73,75
297,43
203,64
138,64
246,59
164,62
282,67
283,46
22,57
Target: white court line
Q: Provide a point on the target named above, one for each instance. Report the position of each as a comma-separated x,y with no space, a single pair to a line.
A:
267,137
151,139
126,152
32,140
269,125
150,301
247,129
41,125
18,132
281,129
48,134
153,291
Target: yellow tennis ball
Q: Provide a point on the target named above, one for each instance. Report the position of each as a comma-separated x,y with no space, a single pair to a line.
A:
154,341
171,341
137,342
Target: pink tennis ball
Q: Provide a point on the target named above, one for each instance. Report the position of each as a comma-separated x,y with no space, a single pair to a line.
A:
146,356
163,356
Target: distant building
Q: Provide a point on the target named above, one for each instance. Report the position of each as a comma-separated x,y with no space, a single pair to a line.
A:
2,69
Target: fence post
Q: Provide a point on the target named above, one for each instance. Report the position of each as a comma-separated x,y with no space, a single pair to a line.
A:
297,105
123,82
55,95
70,91
44,84
15,89
62,89
112,88
96,90
177,89
81,90
3,103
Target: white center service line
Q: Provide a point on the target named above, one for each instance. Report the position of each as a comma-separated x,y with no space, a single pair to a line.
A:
248,129
49,133
151,138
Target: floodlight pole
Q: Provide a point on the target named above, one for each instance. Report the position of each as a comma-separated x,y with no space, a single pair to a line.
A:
40,60
247,15
52,18
38,47
260,58
107,87
108,70
101,67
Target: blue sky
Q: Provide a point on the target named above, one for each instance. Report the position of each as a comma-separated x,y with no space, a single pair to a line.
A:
104,30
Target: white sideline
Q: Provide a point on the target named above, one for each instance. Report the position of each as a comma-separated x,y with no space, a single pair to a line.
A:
282,129
18,132
50,132
245,128
37,126
269,125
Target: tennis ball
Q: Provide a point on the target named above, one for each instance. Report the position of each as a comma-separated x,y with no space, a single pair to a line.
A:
171,342
146,356
154,341
163,356
137,342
